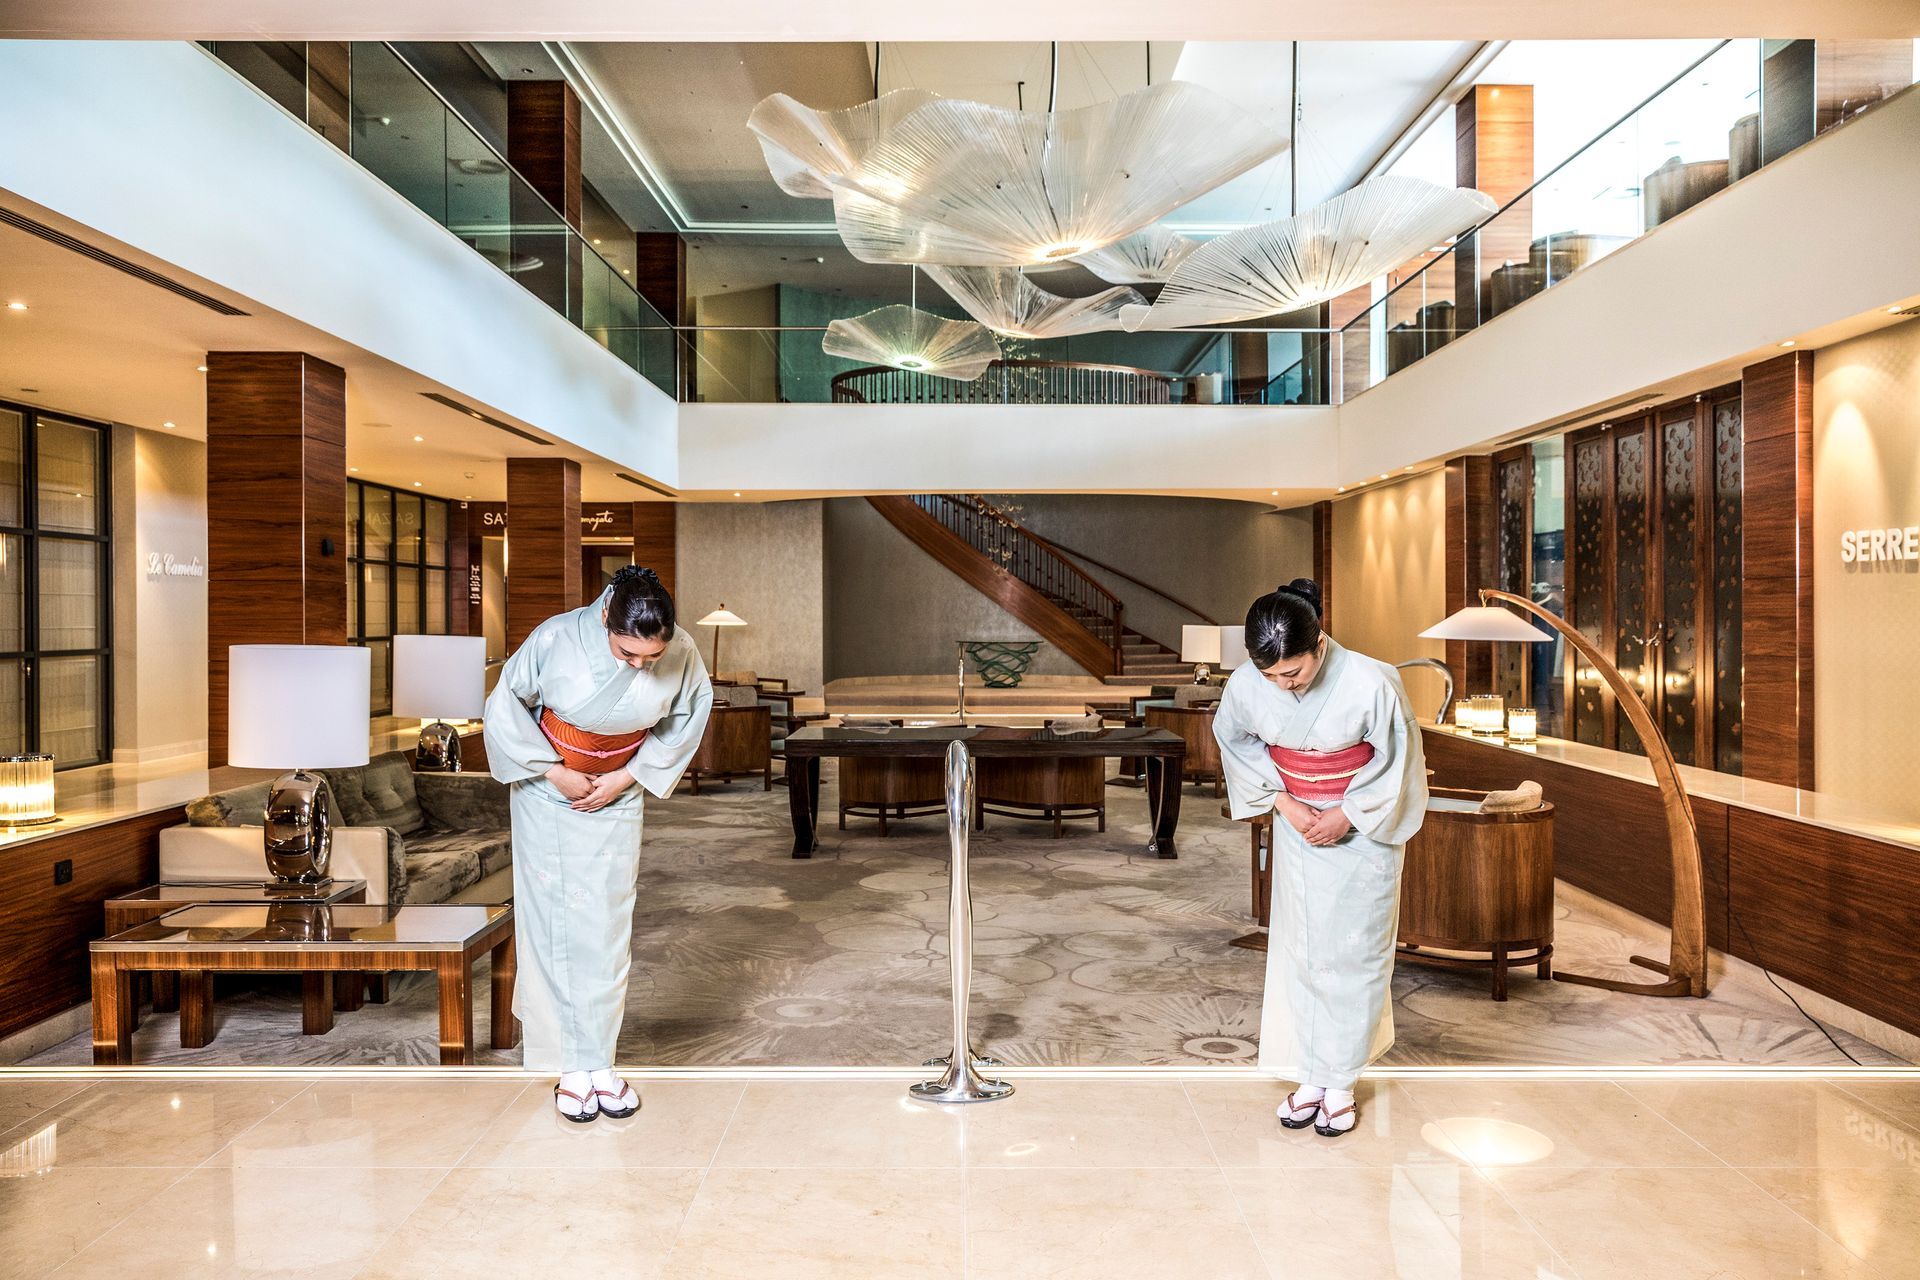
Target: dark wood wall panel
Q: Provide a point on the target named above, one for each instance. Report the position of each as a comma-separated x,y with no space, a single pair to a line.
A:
543,141
1323,559
660,272
45,928
1831,911
1609,834
461,617
1777,555
1493,151
655,541
276,510
1470,554
543,542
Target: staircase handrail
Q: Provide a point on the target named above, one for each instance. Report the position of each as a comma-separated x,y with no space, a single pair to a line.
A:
1074,554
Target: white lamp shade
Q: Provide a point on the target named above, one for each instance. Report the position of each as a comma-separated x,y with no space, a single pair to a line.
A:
721,617
297,706
1233,647
439,677
1483,622
1199,644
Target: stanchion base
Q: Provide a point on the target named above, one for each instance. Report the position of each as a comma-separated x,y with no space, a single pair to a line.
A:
972,1089
979,1063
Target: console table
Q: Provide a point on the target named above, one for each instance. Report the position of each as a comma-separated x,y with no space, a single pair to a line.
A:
1164,752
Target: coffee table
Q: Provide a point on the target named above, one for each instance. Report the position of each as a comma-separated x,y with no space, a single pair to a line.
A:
156,900
315,940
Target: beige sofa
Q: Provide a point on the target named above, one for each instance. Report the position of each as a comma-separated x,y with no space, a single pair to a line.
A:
413,837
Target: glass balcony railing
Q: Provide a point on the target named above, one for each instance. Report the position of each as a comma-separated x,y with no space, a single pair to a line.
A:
365,99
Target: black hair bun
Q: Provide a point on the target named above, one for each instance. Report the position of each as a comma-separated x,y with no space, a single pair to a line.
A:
635,575
1306,588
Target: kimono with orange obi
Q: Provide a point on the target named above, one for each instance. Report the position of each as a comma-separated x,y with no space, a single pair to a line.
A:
1347,739
564,696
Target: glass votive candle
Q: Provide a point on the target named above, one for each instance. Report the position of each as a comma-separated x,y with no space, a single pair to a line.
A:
1523,725
1463,714
1489,715
26,791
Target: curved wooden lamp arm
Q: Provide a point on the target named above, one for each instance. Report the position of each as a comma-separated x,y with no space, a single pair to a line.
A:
1686,967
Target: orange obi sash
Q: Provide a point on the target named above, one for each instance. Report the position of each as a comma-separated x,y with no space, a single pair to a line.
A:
589,752
1320,775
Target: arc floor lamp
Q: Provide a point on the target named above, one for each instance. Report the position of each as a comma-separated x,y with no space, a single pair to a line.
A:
1686,964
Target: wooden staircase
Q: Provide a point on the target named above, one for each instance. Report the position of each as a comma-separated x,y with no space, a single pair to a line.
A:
1033,580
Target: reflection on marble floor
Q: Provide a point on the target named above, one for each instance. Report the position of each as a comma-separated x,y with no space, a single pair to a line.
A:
1178,1177
1088,953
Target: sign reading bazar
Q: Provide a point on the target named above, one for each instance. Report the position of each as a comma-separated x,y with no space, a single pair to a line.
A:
1866,546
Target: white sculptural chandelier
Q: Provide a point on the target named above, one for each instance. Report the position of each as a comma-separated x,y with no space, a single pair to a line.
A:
936,180
917,341
1003,299
1145,257
1295,262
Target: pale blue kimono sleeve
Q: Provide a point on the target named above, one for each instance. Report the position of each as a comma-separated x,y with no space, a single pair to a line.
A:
516,749
670,744
1387,800
1252,781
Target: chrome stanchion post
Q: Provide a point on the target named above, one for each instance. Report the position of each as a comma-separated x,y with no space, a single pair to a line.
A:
960,1082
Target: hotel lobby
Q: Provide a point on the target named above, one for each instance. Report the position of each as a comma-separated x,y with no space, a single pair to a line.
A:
859,452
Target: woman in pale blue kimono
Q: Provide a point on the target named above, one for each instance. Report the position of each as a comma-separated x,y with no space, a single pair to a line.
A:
596,701
1325,739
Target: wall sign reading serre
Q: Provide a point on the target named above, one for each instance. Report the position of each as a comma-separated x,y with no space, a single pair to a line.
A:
1866,546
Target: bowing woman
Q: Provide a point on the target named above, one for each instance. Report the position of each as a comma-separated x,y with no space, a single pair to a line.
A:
599,705
1324,738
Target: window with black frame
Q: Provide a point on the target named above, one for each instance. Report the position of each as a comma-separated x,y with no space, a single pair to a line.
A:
55,558
396,574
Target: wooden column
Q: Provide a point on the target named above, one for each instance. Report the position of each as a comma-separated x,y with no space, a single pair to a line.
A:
655,544
660,276
1351,354
1493,137
543,145
461,619
1776,646
1250,372
543,542
276,510
1323,559
1470,547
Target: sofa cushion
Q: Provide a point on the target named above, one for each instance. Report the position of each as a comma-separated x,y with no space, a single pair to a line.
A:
439,866
379,794
241,807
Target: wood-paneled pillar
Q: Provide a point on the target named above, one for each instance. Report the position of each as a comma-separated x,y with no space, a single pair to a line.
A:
276,510
1470,556
1493,137
1776,604
660,276
543,145
543,542
461,616
1323,559
655,541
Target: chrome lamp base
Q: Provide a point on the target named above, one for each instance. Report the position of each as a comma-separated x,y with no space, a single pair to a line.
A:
299,831
439,749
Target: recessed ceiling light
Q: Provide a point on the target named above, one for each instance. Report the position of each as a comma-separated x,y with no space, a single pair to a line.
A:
596,239
736,493
416,484
355,470
1787,343
1406,468
167,425
200,368
1341,489
419,439
16,306
1274,493
1893,311
1383,475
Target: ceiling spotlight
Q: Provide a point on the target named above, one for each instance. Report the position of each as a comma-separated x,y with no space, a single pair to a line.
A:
1341,489
823,260
355,470
167,425
1893,311
1383,475
1787,343
200,368
16,306
736,493
1274,493
419,439
416,484
596,239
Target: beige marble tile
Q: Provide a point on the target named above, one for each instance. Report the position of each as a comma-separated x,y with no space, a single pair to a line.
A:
678,1126
1239,1119
507,1223
1554,1124
46,1218
1873,1213
250,1222
804,1225
1899,1102
22,1100
1800,1124
1414,1222
156,1122
867,1124
374,1123
1675,1224
1106,1224
1080,1123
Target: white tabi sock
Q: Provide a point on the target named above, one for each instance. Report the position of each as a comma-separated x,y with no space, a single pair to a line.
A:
1338,1100
1304,1097
580,1084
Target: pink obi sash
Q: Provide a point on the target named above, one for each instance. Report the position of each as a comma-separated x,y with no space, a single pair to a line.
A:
1320,775
589,752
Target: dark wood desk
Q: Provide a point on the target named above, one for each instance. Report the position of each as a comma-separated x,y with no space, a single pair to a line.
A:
1165,754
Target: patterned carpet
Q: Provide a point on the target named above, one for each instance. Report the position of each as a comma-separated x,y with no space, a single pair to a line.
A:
1088,952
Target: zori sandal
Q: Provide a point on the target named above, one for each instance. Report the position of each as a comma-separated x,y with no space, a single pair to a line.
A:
588,1107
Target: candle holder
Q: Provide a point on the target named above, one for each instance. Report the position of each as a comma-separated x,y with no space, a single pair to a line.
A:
1463,712
1523,725
26,791
1489,715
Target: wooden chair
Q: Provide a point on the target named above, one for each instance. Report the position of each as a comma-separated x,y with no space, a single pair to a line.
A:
1195,725
1040,787
738,743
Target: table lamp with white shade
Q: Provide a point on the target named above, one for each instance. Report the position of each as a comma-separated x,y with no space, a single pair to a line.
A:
1200,646
717,619
439,678
1233,647
298,706
1475,622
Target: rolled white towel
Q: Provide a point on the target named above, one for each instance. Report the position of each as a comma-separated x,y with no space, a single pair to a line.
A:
1527,795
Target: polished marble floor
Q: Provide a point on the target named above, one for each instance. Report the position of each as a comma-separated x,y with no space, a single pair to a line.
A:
796,1176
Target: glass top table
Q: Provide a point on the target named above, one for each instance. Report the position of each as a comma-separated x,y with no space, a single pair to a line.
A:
230,926
186,891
